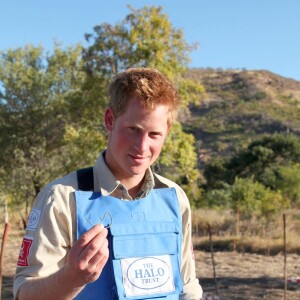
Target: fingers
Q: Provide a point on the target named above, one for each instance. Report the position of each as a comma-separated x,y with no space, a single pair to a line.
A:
100,258
89,254
96,248
94,257
90,234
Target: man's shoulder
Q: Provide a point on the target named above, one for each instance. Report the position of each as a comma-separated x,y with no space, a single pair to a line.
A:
65,183
57,193
163,182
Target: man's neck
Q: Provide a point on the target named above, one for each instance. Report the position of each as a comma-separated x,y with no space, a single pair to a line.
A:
133,185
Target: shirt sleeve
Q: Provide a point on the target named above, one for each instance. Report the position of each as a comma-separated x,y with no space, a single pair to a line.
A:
48,237
191,288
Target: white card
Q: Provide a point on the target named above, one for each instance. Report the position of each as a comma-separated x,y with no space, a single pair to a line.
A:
147,275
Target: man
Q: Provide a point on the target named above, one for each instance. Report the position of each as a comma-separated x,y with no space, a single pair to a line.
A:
131,237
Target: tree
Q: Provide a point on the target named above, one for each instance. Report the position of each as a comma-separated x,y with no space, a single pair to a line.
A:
52,105
215,173
178,160
35,96
249,197
265,155
288,182
261,160
146,38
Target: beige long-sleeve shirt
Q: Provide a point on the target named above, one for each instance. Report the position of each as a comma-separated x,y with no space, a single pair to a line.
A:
51,229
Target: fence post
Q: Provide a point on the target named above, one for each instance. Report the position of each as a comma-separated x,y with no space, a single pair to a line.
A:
4,238
284,254
213,260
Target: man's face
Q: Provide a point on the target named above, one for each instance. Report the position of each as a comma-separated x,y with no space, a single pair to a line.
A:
135,139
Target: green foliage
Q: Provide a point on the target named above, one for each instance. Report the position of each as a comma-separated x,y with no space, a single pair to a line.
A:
83,144
215,173
264,157
52,105
261,160
242,106
253,197
262,178
146,38
216,198
35,88
178,160
288,182
248,197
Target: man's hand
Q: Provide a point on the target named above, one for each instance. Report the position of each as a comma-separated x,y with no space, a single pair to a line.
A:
88,256
84,264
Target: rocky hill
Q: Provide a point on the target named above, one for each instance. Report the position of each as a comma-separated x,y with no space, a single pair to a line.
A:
239,106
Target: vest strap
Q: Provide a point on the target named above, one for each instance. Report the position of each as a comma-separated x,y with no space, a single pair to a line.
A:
85,178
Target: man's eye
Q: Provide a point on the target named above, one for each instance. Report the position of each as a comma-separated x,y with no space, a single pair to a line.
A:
133,129
155,133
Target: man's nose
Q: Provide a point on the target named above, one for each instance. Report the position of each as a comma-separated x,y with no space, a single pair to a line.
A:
142,142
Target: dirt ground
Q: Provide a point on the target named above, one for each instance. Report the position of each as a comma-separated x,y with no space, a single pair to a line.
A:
247,276
238,276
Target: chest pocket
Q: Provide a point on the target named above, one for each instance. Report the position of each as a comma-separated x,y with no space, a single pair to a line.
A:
146,260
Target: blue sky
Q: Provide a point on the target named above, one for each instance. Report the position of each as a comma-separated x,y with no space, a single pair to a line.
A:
253,34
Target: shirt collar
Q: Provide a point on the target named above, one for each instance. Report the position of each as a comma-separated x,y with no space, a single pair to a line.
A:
107,183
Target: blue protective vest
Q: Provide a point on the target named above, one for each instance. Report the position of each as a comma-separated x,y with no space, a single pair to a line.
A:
144,239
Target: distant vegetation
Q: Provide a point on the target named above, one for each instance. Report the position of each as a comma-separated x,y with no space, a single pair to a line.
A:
52,104
247,131
235,148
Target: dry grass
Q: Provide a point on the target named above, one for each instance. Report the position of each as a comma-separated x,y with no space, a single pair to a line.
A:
240,275
256,236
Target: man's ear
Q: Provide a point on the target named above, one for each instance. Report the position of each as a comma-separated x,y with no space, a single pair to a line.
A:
109,119
169,127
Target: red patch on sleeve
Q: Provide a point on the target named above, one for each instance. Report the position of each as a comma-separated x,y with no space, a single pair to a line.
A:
24,252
